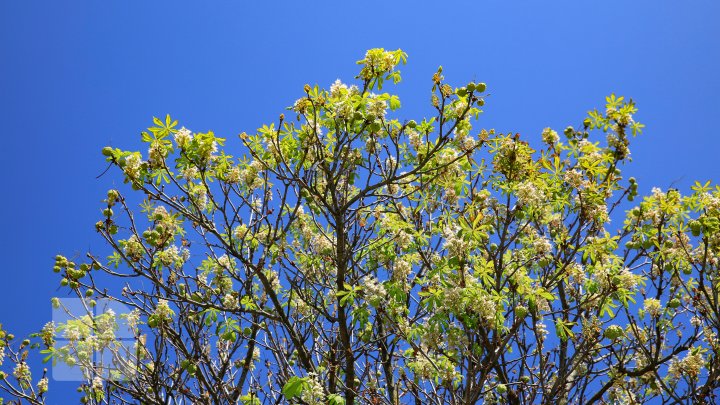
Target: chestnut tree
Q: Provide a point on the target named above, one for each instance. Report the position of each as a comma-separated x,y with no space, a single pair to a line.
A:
343,254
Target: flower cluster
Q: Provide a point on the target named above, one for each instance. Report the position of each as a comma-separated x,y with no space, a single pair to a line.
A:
374,291
314,391
378,62
163,310
550,137
530,195
690,366
133,162
652,307
183,137
133,248
22,373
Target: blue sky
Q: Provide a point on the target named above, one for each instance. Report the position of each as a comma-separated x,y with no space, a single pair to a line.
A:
79,75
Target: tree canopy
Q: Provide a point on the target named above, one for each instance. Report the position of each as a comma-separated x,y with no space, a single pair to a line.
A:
343,254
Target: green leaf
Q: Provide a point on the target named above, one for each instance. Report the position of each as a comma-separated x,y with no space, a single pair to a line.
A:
394,102
335,399
294,387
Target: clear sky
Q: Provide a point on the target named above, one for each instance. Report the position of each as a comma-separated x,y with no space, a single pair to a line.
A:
79,75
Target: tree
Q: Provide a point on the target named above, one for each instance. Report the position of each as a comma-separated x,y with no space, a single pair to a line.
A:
350,257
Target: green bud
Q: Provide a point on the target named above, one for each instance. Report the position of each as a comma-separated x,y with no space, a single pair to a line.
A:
501,388
673,303
89,292
613,332
480,87
471,86
695,227
107,151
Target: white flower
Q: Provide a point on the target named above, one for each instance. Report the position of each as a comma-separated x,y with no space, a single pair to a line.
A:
652,306
657,192
234,175
225,262
162,310
414,137
190,173
541,330
171,256
42,385
454,244
156,154
401,270
229,301
337,88
71,334
97,383
314,392
529,195
374,291
133,319
22,372
542,246
468,143
183,137
132,165
133,248
159,213
573,178
377,106
549,136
